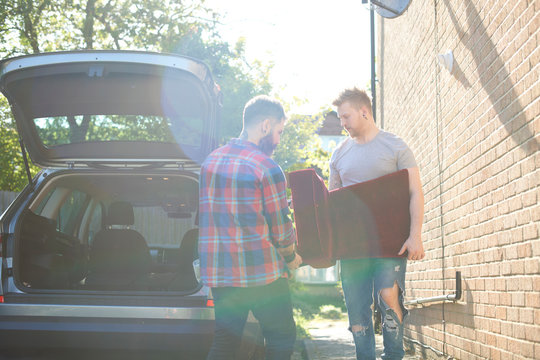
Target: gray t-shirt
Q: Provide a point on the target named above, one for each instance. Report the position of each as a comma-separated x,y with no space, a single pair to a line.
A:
352,162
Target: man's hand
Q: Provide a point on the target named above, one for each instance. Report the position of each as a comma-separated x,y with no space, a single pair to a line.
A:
414,248
293,265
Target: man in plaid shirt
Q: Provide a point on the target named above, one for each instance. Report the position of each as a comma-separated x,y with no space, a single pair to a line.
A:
247,242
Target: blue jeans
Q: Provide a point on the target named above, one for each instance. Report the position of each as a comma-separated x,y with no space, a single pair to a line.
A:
362,281
270,304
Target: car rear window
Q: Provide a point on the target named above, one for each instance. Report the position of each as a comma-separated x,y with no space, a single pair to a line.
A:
113,112
61,130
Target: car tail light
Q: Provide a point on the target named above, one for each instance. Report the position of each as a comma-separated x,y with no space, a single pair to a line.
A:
210,302
1,299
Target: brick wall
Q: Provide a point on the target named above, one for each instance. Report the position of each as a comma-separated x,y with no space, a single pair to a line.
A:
475,134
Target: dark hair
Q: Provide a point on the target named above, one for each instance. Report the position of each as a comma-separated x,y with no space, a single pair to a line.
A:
262,107
355,97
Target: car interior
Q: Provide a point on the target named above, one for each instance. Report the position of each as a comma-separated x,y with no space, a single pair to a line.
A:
110,232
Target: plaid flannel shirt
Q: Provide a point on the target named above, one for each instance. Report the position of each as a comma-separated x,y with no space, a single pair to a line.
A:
243,217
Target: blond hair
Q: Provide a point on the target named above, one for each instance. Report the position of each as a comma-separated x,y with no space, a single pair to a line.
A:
355,97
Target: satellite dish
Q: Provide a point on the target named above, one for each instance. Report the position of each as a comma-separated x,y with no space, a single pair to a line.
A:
390,8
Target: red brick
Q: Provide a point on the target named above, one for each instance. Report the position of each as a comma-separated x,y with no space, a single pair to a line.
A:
527,350
518,331
501,313
495,326
526,284
511,252
529,199
532,267
514,346
526,316
491,339
536,283
518,267
505,299
535,246
506,269
494,354
524,250
518,299
532,333
530,232
532,300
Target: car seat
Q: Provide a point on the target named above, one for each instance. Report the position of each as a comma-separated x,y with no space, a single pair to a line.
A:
186,278
118,256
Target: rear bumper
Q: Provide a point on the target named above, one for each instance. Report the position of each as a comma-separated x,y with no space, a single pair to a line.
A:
190,336
124,328
105,327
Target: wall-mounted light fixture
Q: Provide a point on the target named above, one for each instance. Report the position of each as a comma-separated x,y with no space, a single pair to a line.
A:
447,60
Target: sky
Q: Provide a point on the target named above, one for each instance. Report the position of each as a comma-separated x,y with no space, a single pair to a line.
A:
318,48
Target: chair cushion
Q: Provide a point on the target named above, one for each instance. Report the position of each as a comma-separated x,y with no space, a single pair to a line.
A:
311,216
369,219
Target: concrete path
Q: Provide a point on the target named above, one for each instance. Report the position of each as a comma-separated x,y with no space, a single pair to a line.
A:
331,339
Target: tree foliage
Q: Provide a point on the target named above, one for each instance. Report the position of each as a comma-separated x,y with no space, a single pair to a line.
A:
13,175
174,26
33,26
239,80
300,148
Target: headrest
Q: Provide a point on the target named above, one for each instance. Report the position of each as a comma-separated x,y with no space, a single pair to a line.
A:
120,213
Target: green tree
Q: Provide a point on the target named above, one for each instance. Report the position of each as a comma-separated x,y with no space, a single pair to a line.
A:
175,26
238,79
300,146
13,175
33,26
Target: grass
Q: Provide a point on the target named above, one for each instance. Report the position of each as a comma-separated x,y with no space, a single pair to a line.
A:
313,302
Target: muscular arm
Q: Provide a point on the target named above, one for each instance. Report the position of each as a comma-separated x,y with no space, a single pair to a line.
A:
278,218
413,245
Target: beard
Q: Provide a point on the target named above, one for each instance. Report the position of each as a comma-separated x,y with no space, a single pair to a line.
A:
266,144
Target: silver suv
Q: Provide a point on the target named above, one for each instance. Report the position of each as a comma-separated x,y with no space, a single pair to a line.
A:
99,251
